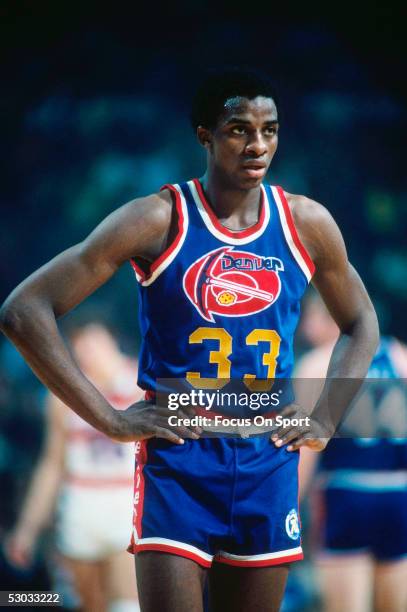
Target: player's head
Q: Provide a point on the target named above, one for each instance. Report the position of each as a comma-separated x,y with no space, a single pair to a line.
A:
235,117
94,346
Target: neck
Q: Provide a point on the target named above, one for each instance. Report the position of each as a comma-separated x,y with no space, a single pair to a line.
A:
238,208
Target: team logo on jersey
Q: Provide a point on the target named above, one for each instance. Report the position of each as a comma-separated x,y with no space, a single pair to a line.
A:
232,283
292,526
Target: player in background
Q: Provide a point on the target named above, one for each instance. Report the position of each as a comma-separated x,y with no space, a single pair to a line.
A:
90,480
360,493
217,508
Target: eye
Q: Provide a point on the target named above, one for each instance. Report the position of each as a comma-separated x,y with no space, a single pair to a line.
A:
270,130
238,130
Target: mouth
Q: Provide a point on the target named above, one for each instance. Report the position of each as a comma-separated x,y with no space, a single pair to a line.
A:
255,169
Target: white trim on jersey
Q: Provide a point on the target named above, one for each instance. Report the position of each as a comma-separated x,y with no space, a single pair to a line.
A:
288,235
220,235
173,250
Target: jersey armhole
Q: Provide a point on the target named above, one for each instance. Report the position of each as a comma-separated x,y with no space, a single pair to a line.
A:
295,245
169,254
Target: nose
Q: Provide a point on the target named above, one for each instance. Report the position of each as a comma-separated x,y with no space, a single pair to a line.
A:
256,145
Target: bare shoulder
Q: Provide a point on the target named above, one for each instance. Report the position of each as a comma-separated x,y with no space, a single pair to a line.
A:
316,227
154,211
138,228
308,213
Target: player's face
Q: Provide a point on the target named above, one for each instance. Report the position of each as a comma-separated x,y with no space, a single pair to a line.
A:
244,141
94,347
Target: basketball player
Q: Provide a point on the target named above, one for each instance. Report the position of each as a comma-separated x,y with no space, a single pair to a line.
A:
362,482
222,263
92,478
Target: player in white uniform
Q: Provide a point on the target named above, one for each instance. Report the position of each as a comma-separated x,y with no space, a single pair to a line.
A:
91,479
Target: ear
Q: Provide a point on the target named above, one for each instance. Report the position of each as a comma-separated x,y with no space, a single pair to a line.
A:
204,136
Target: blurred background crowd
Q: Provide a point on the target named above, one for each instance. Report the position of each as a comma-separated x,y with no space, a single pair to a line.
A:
95,108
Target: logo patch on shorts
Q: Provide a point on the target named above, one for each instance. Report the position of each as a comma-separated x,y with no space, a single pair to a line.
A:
292,526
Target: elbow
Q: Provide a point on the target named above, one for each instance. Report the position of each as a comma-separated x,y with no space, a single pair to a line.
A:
23,314
13,316
10,319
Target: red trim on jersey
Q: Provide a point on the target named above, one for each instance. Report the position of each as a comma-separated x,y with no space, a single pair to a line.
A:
224,230
138,271
130,548
181,225
290,222
141,459
298,485
262,563
150,395
180,552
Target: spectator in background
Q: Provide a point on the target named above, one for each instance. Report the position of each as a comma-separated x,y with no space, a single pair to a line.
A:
362,488
91,478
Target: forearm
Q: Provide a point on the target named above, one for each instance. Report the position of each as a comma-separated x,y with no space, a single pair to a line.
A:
40,501
31,325
347,369
306,470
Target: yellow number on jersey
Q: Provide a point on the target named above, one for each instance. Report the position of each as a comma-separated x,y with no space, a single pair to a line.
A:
219,357
269,359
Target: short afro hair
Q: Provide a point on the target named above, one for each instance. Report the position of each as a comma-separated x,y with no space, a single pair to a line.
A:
221,85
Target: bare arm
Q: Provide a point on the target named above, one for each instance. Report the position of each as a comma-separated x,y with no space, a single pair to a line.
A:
40,500
28,317
310,373
344,295
306,470
349,304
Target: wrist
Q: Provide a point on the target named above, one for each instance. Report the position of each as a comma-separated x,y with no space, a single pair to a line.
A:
322,422
111,423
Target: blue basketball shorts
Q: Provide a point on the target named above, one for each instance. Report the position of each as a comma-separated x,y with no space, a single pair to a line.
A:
365,522
233,500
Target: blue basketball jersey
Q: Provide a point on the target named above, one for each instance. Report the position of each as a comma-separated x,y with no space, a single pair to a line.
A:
346,461
222,304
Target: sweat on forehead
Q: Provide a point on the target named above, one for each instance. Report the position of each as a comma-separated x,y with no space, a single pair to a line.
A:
240,103
233,104
240,107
